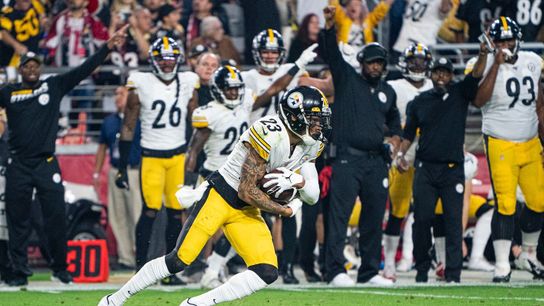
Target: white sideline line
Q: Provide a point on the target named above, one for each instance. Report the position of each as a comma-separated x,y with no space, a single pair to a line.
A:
424,295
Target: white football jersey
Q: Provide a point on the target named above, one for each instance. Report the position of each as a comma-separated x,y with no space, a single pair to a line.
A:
226,125
471,166
420,24
510,114
406,92
259,83
269,137
163,108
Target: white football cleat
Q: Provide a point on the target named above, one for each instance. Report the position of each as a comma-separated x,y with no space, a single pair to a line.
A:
480,264
105,301
342,280
210,280
380,281
404,265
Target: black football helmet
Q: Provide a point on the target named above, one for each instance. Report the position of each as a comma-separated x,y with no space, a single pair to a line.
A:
300,106
268,40
505,28
224,78
165,48
415,62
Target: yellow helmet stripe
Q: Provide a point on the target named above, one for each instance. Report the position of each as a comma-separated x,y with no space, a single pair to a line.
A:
419,48
270,35
165,42
231,71
504,23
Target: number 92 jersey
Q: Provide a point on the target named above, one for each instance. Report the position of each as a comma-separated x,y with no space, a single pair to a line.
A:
163,108
269,137
226,125
510,114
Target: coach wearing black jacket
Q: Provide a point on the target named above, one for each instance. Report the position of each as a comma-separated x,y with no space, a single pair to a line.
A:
364,104
440,115
33,112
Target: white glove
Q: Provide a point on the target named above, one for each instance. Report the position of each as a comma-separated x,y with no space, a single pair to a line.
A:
295,206
306,57
187,195
283,181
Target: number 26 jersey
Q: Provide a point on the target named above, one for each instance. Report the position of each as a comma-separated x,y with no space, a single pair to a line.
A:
510,114
163,108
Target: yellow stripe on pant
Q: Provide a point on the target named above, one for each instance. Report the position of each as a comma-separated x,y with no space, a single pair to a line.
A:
245,229
160,179
513,163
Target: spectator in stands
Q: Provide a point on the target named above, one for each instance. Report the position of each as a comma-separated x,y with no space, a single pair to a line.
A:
306,36
193,55
477,15
16,40
235,15
205,67
123,9
168,18
354,27
153,7
214,38
421,25
201,10
124,206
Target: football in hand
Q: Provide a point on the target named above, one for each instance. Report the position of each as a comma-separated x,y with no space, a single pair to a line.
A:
284,197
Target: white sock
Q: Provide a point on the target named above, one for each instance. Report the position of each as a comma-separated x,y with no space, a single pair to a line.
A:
482,232
502,254
407,243
216,262
237,287
149,274
390,246
440,249
529,244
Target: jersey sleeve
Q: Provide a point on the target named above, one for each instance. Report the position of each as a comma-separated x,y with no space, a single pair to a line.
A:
201,118
133,81
260,138
191,79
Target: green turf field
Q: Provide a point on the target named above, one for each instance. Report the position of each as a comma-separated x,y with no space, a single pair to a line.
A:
443,296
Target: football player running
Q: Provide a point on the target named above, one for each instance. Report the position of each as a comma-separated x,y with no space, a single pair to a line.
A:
291,141
415,64
162,99
509,96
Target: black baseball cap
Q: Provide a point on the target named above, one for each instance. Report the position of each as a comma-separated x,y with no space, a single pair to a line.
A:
165,10
372,52
442,62
196,50
30,56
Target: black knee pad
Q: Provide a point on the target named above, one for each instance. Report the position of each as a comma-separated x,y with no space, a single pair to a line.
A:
483,209
222,246
173,263
268,273
149,213
502,226
438,226
530,221
393,226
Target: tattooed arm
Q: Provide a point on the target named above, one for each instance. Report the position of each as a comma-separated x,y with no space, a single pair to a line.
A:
132,112
196,144
253,169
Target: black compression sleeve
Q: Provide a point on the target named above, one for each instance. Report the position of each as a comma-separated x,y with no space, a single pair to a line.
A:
124,151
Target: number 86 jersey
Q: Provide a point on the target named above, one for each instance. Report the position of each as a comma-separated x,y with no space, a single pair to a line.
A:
163,108
510,114
226,126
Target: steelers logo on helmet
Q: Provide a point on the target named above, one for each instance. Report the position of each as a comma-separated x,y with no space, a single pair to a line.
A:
303,108
505,29
165,56
415,62
227,86
272,41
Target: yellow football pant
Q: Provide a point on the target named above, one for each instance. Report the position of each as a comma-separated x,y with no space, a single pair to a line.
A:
245,229
400,191
160,179
512,163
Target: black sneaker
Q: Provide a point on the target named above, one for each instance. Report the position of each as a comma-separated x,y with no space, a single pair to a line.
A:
422,277
63,277
502,279
172,280
288,276
312,276
17,281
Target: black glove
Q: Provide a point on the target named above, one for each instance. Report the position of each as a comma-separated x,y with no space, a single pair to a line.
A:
121,179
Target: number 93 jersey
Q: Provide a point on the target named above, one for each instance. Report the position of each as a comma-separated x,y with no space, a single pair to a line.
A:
163,108
226,125
510,114
269,138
